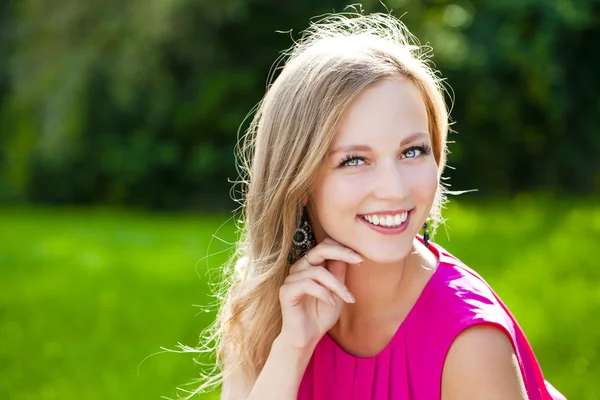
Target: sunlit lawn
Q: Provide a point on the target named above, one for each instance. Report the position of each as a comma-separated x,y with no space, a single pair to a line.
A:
87,294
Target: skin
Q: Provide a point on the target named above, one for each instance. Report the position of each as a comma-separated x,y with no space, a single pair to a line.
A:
388,120
360,284
384,123
481,364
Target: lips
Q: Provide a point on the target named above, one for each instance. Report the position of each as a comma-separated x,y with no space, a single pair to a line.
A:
374,222
389,220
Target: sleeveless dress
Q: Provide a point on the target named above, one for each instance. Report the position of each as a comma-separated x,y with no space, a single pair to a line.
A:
410,366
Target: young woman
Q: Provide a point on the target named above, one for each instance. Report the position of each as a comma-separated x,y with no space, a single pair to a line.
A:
335,294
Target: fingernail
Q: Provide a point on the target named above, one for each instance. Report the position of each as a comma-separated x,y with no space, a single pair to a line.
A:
331,300
350,298
356,258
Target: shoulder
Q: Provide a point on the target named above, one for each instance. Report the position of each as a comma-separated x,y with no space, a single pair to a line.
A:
473,337
234,385
480,358
481,363
465,296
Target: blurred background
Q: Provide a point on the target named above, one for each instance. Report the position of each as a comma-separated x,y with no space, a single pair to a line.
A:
117,126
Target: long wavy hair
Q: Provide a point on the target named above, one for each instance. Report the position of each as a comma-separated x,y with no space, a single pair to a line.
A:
280,155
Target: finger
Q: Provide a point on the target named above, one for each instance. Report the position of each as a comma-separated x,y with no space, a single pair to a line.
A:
338,270
292,293
325,251
325,278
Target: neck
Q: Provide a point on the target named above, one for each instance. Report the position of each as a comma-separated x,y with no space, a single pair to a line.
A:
383,291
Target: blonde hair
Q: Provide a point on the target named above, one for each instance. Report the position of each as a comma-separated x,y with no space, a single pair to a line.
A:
337,58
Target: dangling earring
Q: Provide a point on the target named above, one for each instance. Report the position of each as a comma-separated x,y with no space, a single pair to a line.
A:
425,235
303,240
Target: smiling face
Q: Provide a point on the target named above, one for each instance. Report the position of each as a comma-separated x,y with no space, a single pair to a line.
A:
379,180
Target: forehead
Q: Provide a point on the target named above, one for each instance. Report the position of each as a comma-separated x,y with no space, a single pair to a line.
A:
387,112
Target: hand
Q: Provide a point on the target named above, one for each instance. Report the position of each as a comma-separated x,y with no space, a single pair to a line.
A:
312,297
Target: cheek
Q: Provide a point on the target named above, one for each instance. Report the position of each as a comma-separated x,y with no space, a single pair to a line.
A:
336,199
424,182
336,194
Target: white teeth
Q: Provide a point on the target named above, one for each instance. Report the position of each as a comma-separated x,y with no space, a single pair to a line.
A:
387,220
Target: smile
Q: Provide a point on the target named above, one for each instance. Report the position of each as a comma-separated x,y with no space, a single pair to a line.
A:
388,223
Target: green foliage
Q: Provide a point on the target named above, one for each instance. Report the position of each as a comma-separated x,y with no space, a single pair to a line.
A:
138,102
87,295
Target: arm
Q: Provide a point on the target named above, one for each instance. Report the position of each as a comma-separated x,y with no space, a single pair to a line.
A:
311,298
481,364
279,379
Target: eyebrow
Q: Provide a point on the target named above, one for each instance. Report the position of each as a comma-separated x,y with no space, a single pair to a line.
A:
364,147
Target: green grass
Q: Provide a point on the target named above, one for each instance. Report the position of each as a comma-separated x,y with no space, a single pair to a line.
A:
87,294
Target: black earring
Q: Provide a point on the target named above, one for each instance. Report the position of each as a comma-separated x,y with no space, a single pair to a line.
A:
425,235
303,240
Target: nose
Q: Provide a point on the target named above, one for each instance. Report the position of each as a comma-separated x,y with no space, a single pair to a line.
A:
389,181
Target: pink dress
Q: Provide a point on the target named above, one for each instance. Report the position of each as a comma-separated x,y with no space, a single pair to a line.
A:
410,366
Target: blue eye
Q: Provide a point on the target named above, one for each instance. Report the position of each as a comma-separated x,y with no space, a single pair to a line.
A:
416,151
352,161
412,152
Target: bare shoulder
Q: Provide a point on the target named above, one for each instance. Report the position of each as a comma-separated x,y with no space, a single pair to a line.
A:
233,387
481,364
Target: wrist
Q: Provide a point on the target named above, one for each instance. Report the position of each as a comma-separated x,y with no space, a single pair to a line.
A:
289,351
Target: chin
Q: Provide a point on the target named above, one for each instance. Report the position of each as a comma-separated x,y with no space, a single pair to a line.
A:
386,260
383,255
